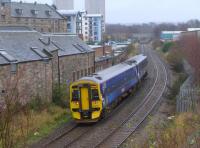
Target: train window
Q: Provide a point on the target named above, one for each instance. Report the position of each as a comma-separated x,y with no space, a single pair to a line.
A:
94,94
75,95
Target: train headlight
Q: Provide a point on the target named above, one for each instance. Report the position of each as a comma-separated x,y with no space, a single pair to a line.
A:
76,102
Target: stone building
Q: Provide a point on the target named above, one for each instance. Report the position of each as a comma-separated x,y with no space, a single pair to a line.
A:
101,50
40,17
75,58
41,61
23,64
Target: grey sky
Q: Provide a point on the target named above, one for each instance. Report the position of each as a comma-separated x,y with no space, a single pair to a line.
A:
139,11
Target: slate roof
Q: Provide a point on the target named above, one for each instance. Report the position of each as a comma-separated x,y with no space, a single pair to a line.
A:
24,46
28,7
69,44
15,28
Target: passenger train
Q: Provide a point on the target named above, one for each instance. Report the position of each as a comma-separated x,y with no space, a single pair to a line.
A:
91,96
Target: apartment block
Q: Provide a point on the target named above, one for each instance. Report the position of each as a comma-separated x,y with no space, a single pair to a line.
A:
96,7
92,28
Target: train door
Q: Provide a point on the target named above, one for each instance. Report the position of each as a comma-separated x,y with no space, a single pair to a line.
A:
85,99
138,71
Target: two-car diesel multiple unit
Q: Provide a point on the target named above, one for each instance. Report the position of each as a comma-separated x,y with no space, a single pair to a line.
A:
91,96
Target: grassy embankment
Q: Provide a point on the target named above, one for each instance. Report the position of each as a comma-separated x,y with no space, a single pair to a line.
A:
180,130
31,123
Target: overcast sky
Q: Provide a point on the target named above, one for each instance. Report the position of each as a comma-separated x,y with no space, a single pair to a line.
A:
144,11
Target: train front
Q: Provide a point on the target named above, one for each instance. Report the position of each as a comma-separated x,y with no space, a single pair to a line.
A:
85,101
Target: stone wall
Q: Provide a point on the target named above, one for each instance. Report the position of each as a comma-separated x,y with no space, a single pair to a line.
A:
31,80
39,24
102,51
74,67
103,64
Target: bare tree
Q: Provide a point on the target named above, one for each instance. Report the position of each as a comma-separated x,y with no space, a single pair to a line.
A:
11,109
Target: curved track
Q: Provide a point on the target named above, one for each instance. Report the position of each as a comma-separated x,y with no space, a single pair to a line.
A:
113,132
135,119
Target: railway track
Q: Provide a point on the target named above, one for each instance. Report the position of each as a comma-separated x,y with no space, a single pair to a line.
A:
130,125
107,133
117,131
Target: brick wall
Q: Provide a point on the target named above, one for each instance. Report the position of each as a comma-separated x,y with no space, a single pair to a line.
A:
102,51
98,51
108,49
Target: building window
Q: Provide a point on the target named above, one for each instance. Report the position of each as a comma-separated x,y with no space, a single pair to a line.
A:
82,73
3,17
69,26
48,12
86,32
19,11
13,68
74,76
78,75
85,23
34,12
2,4
92,69
86,72
69,18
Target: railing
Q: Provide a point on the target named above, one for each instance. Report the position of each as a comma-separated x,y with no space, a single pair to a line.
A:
188,99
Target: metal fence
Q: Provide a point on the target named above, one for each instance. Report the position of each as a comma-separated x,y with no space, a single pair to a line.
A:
189,97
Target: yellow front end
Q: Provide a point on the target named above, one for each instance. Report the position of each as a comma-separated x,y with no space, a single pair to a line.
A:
85,101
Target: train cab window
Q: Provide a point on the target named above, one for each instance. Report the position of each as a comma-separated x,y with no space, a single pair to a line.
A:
75,95
94,94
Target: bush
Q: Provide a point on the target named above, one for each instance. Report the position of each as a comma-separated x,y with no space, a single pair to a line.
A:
37,104
59,93
175,59
174,90
167,46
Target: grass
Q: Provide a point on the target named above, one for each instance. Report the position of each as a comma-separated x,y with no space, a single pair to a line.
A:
45,122
33,125
183,131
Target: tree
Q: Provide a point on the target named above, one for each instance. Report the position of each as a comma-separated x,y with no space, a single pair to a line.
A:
10,111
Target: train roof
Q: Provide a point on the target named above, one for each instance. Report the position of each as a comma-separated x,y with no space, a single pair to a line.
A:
137,59
113,71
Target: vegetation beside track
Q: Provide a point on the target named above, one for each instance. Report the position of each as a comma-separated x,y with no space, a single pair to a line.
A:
180,130
31,123
166,128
